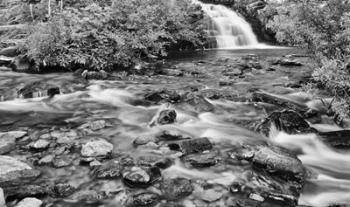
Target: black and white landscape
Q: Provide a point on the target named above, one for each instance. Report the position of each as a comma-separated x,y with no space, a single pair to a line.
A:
174,103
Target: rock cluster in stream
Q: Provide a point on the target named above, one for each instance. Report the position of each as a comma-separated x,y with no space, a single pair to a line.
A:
80,164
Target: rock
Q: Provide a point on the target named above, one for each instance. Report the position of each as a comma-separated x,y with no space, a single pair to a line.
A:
94,125
162,96
10,51
51,92
172,72
281,102
287,62
143,140
87,195
167,116
28,190
143,199
137,177
336,139
211,195
2,198
172,135
96,148
197,102
30,202
62,190
176,189
8,141
40,144
46,160
62,161
5,61
203,159
191,146
22,64
279,162
108,170
15,172
287,120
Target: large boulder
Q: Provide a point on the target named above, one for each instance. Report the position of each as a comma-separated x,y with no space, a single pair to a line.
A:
287,120
14,172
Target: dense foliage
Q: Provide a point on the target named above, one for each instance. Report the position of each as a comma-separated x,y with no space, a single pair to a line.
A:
322,27
110,34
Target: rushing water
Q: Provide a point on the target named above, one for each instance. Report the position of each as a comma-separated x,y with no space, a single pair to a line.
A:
117,101
231,31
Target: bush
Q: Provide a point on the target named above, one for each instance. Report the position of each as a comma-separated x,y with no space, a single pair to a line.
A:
115,34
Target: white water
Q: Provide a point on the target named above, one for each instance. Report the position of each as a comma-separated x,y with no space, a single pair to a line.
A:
231,30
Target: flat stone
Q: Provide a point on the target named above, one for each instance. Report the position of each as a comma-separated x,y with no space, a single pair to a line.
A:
211,195
94,125
192,146
30,202
15,172
40,144
97,148
202,159
8,140
175,189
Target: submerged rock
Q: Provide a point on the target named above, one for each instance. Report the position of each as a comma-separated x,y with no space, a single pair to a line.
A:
108,170
202,159
287,120
14,172
97,148
191,146
140,177
176,189
197,102
337,139
30,202
142,199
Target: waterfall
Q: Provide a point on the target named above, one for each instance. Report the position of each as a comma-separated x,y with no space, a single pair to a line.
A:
229,29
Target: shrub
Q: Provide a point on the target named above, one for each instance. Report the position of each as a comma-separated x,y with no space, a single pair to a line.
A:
115,34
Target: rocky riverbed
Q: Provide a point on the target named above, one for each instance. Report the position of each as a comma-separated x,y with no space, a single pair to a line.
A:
219,128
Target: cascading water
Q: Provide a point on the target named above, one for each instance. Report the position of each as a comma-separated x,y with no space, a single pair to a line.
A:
229,29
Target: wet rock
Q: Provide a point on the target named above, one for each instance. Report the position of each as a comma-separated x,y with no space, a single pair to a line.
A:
164,95
46,160
336,139
137,177
8,141
40,144
172,72
144,139
192,146
171,204
94,125
87,195
30,202
143,199
28,190
62,161
96,148
203,159
2,198
211,195
5,61
167,116
197,102
62,190
287,62
287,120
10,51
281,102
15,172
108,170
172,135
176,189
51,92
279,162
